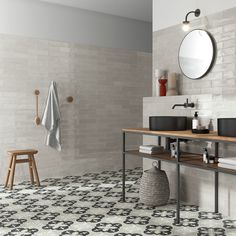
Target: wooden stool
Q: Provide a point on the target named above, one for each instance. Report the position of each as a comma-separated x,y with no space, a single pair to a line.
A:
12,165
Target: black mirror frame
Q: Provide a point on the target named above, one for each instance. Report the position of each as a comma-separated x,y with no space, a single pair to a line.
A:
213,56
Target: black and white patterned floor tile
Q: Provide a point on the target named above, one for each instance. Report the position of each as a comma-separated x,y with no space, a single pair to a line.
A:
91,205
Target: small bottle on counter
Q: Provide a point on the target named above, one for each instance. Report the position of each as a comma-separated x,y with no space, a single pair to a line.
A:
205,156
173,150
211,159
195,121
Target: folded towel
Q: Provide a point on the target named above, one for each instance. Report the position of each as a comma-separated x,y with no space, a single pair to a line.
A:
150,147
233,167
161,150
228,160
51,118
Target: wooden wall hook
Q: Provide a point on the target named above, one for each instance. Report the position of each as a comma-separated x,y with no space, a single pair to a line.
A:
69,99
37,119
36,92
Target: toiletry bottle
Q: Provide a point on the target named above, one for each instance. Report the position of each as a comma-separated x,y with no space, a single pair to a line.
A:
173,150
205,156
195,121
211,159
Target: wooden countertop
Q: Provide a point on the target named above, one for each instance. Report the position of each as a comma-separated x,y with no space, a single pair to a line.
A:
186,134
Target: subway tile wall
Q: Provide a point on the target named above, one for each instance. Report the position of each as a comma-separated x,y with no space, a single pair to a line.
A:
215,96
222,78
107,85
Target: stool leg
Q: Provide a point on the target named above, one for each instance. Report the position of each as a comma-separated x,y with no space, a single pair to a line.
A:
31,169
35,171
9,172
12,172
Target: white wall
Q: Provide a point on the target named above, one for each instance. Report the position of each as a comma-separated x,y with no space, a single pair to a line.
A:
107,86
54,22
168,12
40,42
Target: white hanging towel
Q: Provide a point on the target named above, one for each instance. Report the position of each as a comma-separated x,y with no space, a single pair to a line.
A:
51,118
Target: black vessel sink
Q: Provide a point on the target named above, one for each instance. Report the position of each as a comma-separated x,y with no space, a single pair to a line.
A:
226,127
167,123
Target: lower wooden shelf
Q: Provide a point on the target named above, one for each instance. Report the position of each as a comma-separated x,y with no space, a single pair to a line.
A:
165,156
197,162
186,159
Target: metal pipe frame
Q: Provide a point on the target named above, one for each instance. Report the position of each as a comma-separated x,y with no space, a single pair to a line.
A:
178,163
123,169
216,180
159,143
178,182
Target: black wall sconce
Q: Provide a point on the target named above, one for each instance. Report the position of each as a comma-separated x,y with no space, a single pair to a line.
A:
186,23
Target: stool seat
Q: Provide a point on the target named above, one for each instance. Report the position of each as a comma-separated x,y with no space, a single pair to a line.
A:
23,152
13,161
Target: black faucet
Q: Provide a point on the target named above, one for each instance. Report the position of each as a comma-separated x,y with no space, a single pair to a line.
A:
185,105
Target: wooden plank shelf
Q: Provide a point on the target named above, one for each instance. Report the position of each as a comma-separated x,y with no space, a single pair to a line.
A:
185,134
198,163
165,156
187,159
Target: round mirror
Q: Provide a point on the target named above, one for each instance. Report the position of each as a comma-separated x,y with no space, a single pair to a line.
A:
196,54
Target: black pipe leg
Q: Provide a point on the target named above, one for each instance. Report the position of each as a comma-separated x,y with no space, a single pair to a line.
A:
178,184
216,192
159,144
123,169
216,181
159,165
178,195
167,144
159,140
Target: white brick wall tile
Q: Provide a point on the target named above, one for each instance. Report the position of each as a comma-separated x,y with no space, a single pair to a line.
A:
222,26
107,85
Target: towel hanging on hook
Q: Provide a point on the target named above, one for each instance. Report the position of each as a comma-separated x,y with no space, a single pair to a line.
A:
51,118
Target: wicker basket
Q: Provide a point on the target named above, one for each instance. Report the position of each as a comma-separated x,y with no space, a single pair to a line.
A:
154,187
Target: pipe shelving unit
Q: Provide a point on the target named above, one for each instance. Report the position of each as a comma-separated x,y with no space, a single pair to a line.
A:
183,159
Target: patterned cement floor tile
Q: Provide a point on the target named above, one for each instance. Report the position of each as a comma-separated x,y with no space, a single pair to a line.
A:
91,205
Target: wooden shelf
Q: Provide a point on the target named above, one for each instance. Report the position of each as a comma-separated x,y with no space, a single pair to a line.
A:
198,163
165,156
186,134
186,159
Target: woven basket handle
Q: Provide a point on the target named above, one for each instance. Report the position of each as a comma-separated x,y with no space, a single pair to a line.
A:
155,164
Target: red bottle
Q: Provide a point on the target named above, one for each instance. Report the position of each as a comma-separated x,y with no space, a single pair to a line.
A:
162,83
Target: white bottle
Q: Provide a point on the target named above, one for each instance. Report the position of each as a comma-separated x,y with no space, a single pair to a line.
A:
195,121
205,156
173,150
